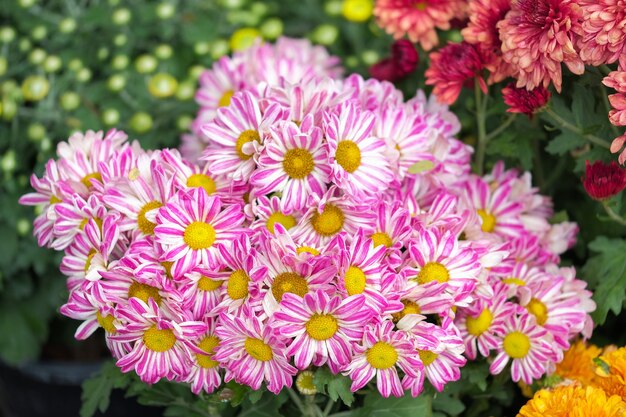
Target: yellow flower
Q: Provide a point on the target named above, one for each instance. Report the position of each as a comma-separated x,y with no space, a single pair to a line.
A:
596,404
613,381
551,403
243,38
577,363
357,10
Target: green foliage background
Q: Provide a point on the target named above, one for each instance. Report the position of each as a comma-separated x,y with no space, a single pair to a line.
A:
98,58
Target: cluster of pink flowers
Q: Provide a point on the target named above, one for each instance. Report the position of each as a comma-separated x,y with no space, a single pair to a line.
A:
281,64
327,222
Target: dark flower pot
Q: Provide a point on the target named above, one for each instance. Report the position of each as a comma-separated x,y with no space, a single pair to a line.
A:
53,389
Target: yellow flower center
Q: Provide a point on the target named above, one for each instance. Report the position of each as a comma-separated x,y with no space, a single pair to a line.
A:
225,99
354,280
237,286
167,265
287,221
305,383
489,221
514,281
144,292
258,349
348,155
245,137
145,225
90,256
539,310
55,200
516,345
298,163
427,356
106,322
203,181
86,180
433,271
478,325
382,238
321,326
208,344
158,340
289,282
421,6
410,307
199,235
84,222
307,249
208,284
329,222
382,355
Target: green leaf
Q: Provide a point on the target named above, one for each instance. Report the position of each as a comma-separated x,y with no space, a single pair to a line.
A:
607,270
565,142
336,386
97,389
448,404
268,406
407,406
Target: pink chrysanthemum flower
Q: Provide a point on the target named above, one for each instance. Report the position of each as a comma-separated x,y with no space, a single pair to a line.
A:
218,84
323,328
91,250
241,274
268,212
438,259
418,19
294,162
161,346
253,352
518,275
526,344
451,68
479,323
49,191
187,175
201,292
329,215
500,215
421,299
482,32
72,216
604,38
190,225
537,37
555,310
80,156
204,372
357,157
236,135
288,273
392,230
521,100
360,268
140,194
379,355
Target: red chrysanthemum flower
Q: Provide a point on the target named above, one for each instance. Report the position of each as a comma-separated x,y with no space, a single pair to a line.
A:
481,31
537,36
604,27
521,100
603,181
402,62
418,19
452,67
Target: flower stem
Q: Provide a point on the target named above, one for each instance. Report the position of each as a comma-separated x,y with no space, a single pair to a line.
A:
297,401
481,116
328,408
494,133
613,215
575,129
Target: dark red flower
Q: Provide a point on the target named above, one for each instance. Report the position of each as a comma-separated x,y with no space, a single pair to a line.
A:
521,100
603,181
452,67
402,62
